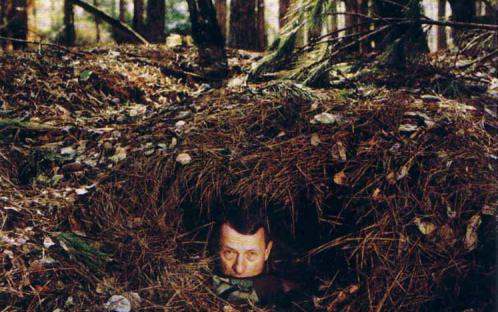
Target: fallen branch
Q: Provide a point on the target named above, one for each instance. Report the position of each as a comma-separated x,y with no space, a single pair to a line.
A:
39,43
477,61
108,19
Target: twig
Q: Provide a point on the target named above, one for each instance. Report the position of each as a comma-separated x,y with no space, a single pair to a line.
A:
53,45
477,61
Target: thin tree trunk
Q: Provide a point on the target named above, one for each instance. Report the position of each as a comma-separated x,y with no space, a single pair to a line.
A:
441,31
114,11
69,29
363,25
351,19
221,15
97,22
282,11
18,22
138,15
122,11
208,38
333,18
156,11
261,25
3,21
478,7
243,25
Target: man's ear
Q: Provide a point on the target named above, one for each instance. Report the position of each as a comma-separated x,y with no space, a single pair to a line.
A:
268,249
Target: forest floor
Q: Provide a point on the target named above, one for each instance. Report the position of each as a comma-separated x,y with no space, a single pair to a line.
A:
72,122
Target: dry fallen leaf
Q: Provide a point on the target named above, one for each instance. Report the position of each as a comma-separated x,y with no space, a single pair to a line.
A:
315,139
340,178
425,228
183,158
471,237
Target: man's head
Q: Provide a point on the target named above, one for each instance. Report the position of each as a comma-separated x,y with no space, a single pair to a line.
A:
244,244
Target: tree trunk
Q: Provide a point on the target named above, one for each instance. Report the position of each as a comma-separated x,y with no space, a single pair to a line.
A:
138,16
156,12
69,36
243,25
18,22
333,18
221,15
462,10
122,11
441,31
364,26
351,19
490,11
478,7
400,41
3,21
208,38
282,11
97,22
114,13
261,25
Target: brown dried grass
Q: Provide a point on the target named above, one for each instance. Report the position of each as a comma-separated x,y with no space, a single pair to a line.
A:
369,217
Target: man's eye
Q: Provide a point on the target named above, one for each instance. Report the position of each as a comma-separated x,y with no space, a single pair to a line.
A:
252,255
229,254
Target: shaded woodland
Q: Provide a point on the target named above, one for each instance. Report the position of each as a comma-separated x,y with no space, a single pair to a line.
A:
364,130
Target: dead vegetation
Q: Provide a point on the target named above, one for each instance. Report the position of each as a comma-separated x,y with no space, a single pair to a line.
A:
115,193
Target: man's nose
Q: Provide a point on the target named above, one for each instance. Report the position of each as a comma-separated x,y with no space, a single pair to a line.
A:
239,265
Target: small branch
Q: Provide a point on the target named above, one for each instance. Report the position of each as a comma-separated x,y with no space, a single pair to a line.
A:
477,61
39,43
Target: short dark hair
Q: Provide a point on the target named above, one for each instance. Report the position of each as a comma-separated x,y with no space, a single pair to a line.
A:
244,221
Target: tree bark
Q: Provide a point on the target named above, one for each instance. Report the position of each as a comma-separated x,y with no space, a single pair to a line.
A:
243,25
221,15
332,27
122,11
108,19
3,21
441,31
208,38
462,10
69,37
18,23
97,22
400,41
363,26
489,10
282,11
138,16
261,25
351,19
156,12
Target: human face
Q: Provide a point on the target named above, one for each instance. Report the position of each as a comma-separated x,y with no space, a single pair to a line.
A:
243,255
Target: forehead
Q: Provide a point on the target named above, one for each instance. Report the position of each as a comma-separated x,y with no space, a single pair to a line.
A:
233,239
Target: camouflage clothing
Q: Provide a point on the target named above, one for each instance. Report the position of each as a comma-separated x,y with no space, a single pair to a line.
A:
260,290
235,290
